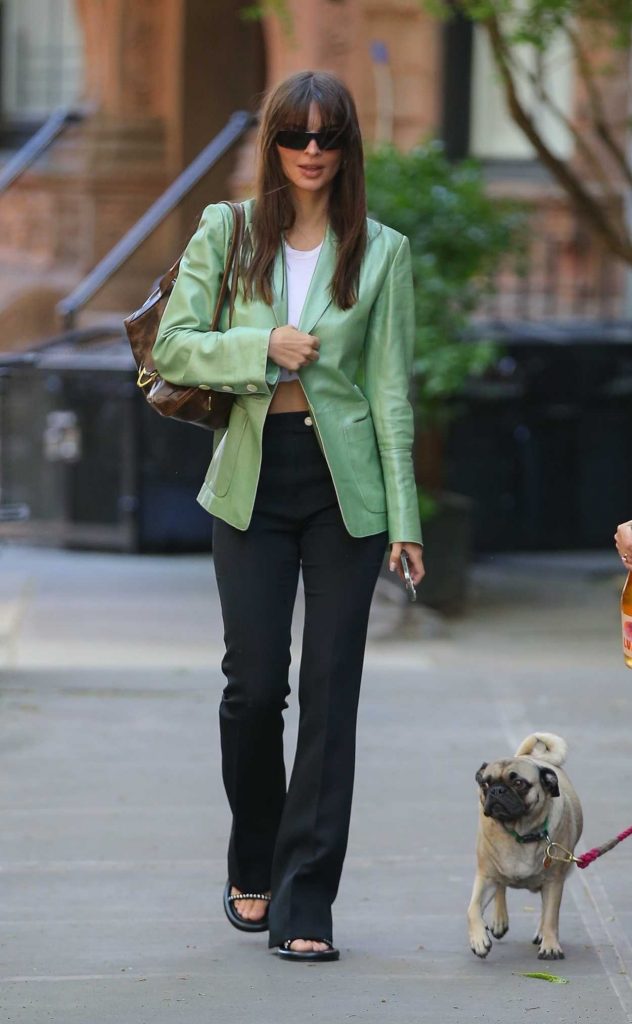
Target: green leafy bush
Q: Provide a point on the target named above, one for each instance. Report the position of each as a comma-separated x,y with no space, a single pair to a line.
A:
458,236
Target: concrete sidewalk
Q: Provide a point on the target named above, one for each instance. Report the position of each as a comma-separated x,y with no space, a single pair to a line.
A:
114,819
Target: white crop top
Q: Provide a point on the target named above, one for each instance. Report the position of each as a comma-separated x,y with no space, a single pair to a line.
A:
300,268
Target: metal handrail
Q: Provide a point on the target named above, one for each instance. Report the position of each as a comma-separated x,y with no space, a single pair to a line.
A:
237,125
38,144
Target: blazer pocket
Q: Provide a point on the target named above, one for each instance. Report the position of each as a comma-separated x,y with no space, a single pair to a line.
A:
224,461
365,463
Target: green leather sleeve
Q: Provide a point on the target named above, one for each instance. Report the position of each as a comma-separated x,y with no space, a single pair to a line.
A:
388,363
186,351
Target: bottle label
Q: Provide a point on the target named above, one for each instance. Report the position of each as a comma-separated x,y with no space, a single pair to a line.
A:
626,625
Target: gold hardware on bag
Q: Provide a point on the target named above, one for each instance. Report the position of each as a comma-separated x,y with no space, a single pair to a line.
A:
144,378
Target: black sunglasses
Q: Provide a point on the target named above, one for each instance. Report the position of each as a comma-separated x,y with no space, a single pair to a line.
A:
328,138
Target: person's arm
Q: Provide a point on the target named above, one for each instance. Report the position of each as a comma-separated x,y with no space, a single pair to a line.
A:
186,351
387,371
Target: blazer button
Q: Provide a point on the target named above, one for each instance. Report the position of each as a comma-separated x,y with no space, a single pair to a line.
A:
226,387
204,387
308,421
251,387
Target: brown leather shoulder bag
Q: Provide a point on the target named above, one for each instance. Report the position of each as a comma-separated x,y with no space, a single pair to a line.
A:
204,408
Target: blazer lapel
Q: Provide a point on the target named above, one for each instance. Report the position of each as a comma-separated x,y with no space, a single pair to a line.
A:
318,296
279,289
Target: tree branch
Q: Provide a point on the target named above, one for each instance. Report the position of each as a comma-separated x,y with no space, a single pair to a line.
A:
599,120
614,233
537,83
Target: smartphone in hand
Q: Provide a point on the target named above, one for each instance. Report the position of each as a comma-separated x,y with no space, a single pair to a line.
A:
408,580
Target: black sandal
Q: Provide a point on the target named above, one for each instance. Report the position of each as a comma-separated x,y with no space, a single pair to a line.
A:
235,918
312,955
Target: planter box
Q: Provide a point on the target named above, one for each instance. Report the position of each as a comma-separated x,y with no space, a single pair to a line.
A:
447,548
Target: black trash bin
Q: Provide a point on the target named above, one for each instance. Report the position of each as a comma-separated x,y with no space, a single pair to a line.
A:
93,464
543,444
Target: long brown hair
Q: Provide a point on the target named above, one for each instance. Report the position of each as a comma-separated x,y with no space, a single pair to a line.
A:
288,107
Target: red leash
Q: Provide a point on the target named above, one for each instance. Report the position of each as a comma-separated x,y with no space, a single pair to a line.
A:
598,851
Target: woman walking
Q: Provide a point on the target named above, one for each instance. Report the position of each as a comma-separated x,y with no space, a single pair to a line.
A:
313,474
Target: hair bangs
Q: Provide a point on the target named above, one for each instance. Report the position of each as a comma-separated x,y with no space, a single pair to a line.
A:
288,107
293,109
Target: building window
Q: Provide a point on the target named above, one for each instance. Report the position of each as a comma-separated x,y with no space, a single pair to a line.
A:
41,58
493,134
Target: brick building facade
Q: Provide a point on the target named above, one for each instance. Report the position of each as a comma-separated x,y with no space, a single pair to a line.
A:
158,78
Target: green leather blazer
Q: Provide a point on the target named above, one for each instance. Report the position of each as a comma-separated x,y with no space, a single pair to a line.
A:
357,390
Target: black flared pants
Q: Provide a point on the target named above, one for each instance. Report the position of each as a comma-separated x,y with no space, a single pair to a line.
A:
293,840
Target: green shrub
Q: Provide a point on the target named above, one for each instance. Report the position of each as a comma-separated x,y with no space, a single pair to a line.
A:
458,236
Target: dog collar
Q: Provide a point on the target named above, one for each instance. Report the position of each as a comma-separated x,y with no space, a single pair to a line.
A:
530,837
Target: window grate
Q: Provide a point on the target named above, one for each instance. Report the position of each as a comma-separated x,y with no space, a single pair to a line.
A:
41,58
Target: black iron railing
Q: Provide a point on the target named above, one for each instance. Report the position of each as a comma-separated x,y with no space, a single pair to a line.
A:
238,124
558,279
52,128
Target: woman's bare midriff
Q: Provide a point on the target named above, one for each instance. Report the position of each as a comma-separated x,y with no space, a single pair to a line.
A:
289,397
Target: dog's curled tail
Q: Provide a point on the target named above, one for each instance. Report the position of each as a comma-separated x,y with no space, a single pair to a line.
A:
545,746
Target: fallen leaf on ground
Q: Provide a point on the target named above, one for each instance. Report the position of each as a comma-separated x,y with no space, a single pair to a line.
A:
543,976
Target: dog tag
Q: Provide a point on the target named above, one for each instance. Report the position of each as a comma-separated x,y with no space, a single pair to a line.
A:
546,862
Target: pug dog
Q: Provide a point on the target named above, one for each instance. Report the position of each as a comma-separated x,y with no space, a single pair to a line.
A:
526,802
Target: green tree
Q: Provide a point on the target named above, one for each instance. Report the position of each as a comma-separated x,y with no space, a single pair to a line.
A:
458,236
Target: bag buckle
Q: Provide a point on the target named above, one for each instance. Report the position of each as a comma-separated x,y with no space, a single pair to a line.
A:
144,378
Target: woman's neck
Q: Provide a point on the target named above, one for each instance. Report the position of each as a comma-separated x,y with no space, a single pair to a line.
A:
311,219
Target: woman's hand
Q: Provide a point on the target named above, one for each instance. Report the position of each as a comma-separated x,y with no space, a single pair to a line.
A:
623,541
291,348
415,560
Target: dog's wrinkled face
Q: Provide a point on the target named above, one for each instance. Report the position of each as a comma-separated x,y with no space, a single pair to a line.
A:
515,788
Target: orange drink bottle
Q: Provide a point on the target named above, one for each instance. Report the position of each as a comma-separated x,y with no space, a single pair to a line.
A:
626,620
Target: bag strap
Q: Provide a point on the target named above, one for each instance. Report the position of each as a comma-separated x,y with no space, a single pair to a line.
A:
168,279
233,252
